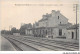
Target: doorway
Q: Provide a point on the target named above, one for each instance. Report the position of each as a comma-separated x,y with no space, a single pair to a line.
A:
60,32
72,35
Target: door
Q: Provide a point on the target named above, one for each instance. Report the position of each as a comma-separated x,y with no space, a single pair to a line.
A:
72,35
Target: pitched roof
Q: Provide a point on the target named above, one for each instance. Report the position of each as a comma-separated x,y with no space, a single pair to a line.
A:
73,27
45,17
64,25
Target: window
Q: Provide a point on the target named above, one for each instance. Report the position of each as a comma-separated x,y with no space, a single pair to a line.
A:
46,32
51,30
69,32
60,22
58,17
43,31
46,24
60,32
37,24
40,31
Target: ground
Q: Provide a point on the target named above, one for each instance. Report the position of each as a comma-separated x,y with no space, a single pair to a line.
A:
30,43
6,45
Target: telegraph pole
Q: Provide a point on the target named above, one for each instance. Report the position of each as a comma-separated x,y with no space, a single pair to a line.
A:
4,30
76,10
10,27
76,21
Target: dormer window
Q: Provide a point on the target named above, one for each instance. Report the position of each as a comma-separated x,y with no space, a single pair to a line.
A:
58,17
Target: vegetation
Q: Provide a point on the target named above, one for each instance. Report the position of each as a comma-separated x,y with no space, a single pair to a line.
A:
14,30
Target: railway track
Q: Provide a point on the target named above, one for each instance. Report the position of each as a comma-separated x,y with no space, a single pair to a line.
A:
15,46
63,43
57,46
48,45
20,46
71,45
43,47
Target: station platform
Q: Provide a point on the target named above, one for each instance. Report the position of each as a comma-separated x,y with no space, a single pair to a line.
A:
6,45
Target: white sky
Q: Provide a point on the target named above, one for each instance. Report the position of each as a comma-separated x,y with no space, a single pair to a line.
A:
15,15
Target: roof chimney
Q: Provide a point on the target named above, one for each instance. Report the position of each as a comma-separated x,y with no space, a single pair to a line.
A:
53,11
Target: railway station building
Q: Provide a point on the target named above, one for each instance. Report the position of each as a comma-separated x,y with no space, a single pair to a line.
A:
53,25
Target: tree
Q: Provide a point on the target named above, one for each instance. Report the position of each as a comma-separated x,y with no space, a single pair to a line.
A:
3,31
13,30
24,27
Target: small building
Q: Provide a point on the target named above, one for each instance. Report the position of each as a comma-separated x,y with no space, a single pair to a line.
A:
61,30
72,32
29,32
